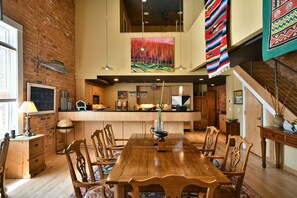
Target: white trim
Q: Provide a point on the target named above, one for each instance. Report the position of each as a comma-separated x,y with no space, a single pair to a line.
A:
20,71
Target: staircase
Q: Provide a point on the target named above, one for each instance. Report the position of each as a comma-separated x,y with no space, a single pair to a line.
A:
263,73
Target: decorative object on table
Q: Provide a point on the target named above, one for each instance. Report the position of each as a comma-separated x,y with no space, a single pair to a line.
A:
64,126
81,105
279,108
43,96
279,28
63,100
158,56
217,59
290,126
238,98
28,107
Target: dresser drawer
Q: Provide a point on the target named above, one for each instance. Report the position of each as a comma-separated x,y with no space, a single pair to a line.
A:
274,136
292,140
36,162
36,146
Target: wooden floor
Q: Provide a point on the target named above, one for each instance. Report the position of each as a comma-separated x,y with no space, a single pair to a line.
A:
55,182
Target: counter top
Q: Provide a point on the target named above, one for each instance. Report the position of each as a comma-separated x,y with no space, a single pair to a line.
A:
109,115
127,111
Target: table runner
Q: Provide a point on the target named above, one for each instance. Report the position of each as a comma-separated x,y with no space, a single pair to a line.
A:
279,27
217,59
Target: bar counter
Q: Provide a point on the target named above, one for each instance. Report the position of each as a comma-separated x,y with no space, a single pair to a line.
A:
125,123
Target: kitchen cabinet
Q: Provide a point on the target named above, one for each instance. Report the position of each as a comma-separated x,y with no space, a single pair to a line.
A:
153,96
222,123
200,104
175,90
26,157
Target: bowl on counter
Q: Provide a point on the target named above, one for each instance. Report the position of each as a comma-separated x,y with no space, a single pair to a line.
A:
232,119
98,107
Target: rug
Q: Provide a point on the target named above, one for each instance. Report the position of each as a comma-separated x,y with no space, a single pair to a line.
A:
279,27
217,59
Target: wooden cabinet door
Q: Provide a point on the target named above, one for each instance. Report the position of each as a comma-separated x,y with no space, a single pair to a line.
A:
200,104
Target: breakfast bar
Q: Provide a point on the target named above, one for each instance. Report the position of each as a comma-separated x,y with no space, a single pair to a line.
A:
126,123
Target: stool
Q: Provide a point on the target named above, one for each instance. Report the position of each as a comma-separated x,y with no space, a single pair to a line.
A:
64,130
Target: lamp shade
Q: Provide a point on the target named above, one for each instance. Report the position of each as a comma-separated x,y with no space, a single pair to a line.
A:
28,107
64,125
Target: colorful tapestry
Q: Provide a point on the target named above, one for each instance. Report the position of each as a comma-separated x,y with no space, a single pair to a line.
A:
217,59
279,27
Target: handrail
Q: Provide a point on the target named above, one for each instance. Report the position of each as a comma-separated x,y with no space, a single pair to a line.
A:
283,64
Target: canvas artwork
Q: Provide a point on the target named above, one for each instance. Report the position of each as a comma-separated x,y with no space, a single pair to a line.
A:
157,56
279,28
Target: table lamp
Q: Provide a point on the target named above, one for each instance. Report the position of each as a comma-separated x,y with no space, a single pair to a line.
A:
28,107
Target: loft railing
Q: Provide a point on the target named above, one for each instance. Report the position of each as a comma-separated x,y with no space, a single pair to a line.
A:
279,78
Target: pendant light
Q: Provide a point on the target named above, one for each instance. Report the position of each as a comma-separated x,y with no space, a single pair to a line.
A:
142,49
180,12
106,67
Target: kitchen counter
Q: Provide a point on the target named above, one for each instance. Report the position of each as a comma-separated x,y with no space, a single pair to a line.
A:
126,123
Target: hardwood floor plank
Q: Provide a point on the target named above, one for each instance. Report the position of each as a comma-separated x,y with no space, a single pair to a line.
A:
55,180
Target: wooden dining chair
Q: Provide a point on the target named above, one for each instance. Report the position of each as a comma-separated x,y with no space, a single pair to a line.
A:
173,185
210,141
113,148
104,162
234,164
82,174
3,155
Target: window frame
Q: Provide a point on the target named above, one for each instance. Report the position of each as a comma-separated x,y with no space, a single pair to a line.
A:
19,50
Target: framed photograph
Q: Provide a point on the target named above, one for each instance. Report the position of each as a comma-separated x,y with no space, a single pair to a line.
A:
123,95
238,97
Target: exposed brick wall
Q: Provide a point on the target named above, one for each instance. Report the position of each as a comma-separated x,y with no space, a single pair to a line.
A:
48,31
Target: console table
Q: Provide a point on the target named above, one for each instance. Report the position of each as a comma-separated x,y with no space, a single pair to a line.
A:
279,136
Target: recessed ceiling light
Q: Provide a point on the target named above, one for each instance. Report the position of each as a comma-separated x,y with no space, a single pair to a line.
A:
116,79
146,13
201,79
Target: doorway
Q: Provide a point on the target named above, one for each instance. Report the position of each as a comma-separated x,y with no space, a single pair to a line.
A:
211,103
253,117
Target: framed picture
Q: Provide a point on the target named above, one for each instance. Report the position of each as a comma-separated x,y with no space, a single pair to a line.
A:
238,97
149,55
122,94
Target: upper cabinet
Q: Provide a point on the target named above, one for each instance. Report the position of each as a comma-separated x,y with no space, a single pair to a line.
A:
175,89
153,95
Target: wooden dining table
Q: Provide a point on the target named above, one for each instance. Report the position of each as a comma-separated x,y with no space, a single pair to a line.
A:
140,159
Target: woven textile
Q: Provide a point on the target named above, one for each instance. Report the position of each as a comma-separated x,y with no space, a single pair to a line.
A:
217,59
279,27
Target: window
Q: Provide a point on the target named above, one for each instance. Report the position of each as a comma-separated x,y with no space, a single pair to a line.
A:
10,76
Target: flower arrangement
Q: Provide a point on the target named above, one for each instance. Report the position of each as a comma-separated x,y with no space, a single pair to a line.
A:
277,106
159,110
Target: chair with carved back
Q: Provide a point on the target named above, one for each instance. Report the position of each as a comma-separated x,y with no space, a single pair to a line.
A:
82,174
3,155
234,164
210,141
111,142
104,162
173,185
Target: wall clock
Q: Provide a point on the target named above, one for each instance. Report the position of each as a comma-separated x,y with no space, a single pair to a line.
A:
153,86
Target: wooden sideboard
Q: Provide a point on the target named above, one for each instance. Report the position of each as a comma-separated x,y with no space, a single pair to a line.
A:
232,128
26,157
279,136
